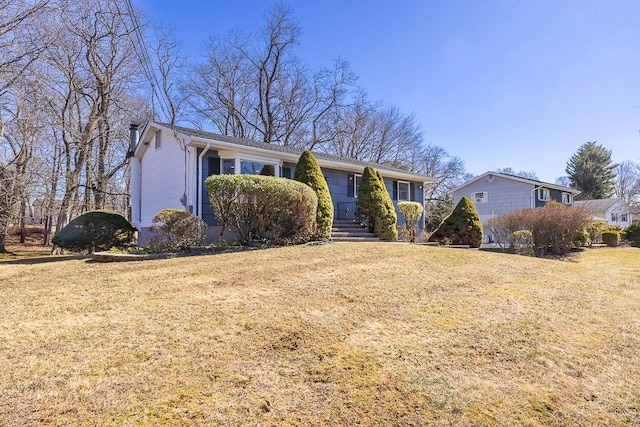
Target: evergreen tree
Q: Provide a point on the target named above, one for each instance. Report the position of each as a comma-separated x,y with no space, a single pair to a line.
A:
592,171
367,184
374,203
461,227
308,172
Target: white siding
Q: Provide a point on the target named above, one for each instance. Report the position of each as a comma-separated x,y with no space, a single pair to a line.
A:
162,178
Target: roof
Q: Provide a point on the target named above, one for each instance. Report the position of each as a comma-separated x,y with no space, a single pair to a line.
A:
530,181
600,205
200,138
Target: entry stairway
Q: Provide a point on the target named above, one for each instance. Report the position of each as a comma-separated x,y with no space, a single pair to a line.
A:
349,231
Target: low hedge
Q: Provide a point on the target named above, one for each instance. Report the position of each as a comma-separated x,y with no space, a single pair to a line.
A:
611,238
277,210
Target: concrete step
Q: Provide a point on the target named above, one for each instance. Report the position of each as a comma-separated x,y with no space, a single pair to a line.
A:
355,239
362,233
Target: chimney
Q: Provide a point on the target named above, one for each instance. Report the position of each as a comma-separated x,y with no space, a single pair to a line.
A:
133,138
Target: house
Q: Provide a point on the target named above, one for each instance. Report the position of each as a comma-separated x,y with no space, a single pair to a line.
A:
496,194
612,211
170,163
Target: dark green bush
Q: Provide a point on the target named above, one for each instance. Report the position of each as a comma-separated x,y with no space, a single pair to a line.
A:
461,227
411,211
633,233
176,230
268,170
95,231
611,238
374,203
308,172
256,207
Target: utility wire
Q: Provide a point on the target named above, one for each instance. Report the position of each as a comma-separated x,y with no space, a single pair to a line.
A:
142,53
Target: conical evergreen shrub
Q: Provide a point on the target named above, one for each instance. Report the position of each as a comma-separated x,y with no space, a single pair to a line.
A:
308,172
461,227
375,204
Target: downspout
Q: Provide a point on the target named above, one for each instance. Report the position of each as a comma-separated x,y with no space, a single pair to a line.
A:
136,173
533,196
199,186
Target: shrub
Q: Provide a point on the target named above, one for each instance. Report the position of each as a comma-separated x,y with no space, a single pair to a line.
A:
461,227
611,238
595,230
259,207
521,242
308,172
365,211
633,233
411,211
555,228
268,170
95,231
177,229
375,205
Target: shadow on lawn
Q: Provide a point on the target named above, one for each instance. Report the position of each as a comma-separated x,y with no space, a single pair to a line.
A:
43,259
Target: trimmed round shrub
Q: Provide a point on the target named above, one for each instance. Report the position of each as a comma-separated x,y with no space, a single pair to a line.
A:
177,229
277,210
411,211
97,230
308,172
461,227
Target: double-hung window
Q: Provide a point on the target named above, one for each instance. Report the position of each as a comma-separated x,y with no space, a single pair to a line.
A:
404,191
543,194
356,184
566,198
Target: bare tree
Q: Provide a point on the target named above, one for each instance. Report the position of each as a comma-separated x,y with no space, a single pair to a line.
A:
257,88
19,45
93,88
627,185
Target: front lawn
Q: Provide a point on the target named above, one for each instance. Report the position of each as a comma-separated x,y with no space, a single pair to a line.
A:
342,334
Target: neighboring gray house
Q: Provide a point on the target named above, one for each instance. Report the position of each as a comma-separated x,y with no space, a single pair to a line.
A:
612,211
170,163
496,194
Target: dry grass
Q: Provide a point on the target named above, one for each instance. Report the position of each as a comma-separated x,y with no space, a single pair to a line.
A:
344,334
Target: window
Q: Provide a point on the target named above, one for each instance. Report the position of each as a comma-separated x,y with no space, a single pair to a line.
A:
228,166
356,184
480,197
566,198
250,168
543,194
158,141
623,217
403,191
614,217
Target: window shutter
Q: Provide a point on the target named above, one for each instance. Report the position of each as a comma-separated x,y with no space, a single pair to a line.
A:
350,184
395,190
412,192
214,166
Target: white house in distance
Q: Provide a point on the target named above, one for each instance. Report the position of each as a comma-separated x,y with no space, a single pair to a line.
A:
170,163
612,211
496,194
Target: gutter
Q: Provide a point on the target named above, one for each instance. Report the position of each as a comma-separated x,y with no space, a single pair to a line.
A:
199,183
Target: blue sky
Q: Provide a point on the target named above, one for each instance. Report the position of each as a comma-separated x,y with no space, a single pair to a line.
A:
498,83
